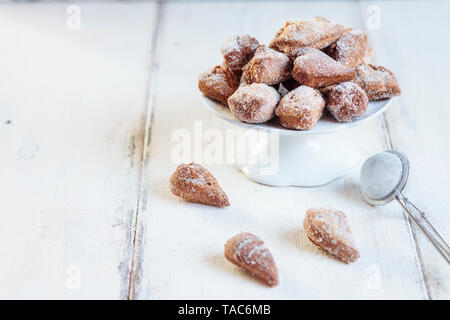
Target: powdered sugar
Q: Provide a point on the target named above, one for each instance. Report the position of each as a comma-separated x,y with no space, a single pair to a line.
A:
238,50
215,80
268,66
316,69
301,108
218,83
329,229
347,101
249,252
254,103
316,33
377,81
350,49
194,183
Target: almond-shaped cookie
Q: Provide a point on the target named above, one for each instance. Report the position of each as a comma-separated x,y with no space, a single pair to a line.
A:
351,49
254,103
328,228
347,101
268,66
218,83
194,183
296,34
248,252
238,50
301,108
378,82
316,69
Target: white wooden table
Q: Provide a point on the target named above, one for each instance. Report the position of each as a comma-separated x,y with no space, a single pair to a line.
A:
86,119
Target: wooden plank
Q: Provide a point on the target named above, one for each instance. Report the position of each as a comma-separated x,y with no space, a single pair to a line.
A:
180,245
419,124
71,134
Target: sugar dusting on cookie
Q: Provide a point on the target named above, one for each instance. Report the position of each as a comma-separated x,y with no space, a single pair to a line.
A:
249,252
329,229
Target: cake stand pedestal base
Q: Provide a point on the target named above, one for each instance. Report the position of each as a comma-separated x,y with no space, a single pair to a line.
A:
304,161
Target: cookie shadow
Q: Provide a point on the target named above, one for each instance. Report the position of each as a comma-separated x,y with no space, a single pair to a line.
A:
220,262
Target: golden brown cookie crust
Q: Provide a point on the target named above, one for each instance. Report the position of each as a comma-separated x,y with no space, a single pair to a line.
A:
378,82
301,108
218,83
254,103
328,228
238,50
347,101
194,183
350,49
268,66
248,252
315,33
315,69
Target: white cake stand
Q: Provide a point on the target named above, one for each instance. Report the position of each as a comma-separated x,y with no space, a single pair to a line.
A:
304,158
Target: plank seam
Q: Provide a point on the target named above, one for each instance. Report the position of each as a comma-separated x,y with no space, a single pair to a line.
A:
411,228
390,145
150,98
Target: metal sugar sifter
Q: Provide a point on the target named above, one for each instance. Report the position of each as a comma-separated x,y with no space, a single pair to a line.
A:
383,178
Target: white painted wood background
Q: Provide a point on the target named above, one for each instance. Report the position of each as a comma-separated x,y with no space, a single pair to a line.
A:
86,118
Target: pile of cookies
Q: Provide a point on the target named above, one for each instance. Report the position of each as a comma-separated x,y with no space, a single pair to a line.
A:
326,227
310,66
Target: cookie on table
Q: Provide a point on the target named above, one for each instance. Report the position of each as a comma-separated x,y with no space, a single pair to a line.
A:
248,252
238,50
296,34
316,69
350,49
218,83
377,81
268,66
328,228
194,183
301,108
254,103
347,101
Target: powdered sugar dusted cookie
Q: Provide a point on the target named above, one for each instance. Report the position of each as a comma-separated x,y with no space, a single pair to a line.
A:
248,252
238,50
254,103
218,83
268,66
316,69
347,101
194,183
316,33
301,108
377,81
350,49
328,228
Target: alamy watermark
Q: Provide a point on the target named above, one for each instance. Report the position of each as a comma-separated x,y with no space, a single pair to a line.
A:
373,21
373,280
73,278
73,20
230,146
